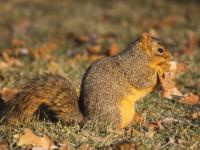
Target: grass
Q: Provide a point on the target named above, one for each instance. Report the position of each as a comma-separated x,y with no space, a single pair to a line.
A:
39,23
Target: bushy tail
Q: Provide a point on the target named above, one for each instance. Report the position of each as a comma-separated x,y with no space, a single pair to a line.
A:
52,91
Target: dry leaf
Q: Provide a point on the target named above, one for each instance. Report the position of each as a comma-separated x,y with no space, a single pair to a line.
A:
4,145
151,128
8,93
83,38
168,120
169,85
114,49
168,82
3,65
9,63
190,99
29,138
125,146
195,115
94,49
45,51
18,43
154,125
14,62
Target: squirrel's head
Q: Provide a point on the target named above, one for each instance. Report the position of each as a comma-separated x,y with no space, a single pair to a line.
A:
157,51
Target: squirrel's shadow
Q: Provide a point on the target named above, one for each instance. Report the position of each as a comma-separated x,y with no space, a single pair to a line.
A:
2,103
45,113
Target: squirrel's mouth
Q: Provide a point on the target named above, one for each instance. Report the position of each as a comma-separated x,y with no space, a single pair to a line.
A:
167,67
173,65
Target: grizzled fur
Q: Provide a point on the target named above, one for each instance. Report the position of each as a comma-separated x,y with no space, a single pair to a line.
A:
109,80
48,89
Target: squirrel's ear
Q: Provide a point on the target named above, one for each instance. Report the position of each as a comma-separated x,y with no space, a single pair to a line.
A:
146,42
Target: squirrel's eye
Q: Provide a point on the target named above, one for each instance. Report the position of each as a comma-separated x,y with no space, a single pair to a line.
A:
160,50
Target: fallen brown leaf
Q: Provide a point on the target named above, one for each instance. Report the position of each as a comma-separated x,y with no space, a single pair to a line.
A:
3,65
8,93
94,49
190,99
10,63
4,145
195,115
154,125
169,85
83,38
168,82
17,42
44,51
168,120
29,138
114,49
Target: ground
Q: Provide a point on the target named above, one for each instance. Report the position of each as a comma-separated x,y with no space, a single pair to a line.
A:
66,36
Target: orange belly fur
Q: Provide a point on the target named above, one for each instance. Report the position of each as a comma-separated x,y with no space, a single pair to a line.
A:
127,105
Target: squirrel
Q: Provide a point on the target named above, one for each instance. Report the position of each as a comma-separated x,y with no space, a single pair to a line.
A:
109,90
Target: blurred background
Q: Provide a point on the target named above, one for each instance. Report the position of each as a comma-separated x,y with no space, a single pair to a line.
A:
38,21
65,35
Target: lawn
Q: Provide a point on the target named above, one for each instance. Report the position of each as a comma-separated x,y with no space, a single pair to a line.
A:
66,36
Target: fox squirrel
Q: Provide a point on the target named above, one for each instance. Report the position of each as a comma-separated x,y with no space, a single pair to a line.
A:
109,90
